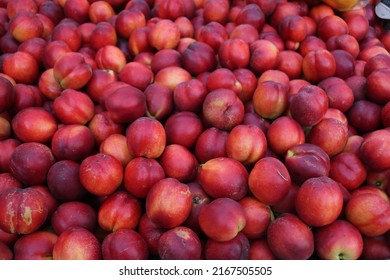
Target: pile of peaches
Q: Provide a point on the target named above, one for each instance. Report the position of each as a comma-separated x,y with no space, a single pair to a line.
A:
193,129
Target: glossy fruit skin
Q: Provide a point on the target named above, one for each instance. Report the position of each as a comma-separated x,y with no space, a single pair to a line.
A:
371,221
180,243
224,115
305,161
269,180
320,194
309,105
280,232
114,242
72,71
119,210
30,163
168,202
125,104
35,246
34,124
146,137
233,249
101,174
73,213
213,217
373,151
213,173
77,243
339,240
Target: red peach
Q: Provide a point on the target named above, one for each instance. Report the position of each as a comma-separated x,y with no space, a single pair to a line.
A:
101,174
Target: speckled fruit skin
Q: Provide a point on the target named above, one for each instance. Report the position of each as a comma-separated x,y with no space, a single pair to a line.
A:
23,211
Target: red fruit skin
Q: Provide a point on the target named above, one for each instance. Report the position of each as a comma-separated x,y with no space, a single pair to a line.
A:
180,243
251,14
199,57
146,137
51,202
178,162
48,85
73,107
305,161
110,58
30,163
199,199
73,142
189,95
368,209
119,210
374,150
270,99
73,213
264,56
378,86
183,128
246,143
77,243
159,101
116,145
329,134
259,250
290,238
223,177
318,65
233,249
309,105
339,240
72,71
63,181
258,217
25,25
102,126
319,201
165,34
216,10
223,109
151,233
284,133
6,94
339,93
213,34
7,181
137,75
222,219
34,124
168,203
100,83
23,211
101,174
21,66
347,169
211,143
35,246
125,104
127,21
269,180
234,54
376,248
141,174
124,244
5,252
